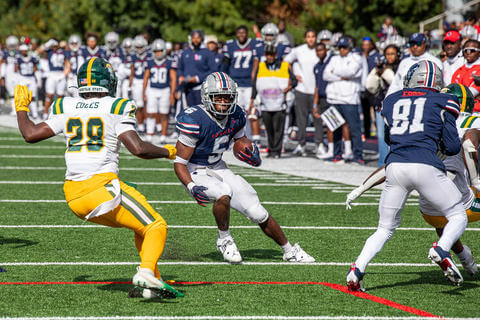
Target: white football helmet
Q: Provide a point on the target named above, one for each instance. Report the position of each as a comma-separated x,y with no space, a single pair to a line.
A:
270,33
140,44
219,83
127,44
469,32
11,42
324,35
424,74
74,42
168,45
112,40
159,45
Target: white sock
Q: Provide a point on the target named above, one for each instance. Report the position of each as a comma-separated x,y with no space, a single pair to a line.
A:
148,137
330,147
453,230
287,247
159,127
223,234
348,146
372,246
34,109
256,137
150,125
141,127
12,104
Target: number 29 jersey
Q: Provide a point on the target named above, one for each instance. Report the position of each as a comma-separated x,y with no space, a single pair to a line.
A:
210,137
420,121
91,128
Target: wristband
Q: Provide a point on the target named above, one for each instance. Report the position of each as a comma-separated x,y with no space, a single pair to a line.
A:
190,186
315,106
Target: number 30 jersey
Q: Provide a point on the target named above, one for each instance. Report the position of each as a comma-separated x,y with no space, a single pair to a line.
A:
91,128
209,136
419,121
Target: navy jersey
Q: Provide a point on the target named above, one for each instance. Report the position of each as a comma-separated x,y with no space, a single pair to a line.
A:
318,71
88,53
282,50
139,64
56,59
115,57
10,57
418,122
160,72
26,66
241,61
196,63
212,140
76,60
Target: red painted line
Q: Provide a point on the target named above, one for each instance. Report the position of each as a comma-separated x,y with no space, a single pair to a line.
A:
333,286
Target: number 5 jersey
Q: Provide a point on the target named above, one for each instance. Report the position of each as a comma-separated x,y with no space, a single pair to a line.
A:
91,128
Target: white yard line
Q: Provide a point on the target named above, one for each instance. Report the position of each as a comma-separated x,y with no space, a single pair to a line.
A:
210,263
27,146
227,318
153,183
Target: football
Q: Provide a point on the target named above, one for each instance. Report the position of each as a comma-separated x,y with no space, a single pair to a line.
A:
240,145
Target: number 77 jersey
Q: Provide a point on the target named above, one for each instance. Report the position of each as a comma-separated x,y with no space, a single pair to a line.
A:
91,128
419,122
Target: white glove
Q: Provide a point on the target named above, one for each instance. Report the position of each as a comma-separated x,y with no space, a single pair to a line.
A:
352,196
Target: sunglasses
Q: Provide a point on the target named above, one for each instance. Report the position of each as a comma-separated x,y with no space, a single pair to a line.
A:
415,43
470,50
342,47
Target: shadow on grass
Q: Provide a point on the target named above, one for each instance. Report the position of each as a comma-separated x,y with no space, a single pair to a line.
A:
252,254
20,243
433,277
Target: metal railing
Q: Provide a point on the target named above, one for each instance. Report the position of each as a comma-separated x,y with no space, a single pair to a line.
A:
440,16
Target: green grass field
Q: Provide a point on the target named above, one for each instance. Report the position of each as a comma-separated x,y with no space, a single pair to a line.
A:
85,268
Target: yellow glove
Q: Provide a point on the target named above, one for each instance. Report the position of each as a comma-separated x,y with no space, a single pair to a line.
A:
172,151
23,97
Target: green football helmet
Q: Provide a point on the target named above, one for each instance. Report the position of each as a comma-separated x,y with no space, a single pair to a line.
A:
96,75
465,97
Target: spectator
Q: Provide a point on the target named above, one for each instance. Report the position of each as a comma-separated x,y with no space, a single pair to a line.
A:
418,49
306,58
195,64
284,36
471,20
343,74
378,80
452,44
387,30
271,83
465,74
211,42
320,104
371,54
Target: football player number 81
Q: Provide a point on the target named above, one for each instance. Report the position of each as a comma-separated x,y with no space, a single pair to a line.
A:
94,130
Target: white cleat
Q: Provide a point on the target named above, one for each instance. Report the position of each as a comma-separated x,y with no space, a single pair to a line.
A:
229,250
297,254
468,262
144,278
445,261
162,139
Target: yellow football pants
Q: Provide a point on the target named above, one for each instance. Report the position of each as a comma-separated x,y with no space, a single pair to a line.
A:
134,213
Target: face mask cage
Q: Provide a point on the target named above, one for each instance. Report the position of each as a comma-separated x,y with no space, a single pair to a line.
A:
229,107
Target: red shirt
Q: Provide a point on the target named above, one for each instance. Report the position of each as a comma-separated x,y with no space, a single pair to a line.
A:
463,75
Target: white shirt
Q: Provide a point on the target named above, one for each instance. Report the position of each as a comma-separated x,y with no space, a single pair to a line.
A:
306,59
450,66
405,64
344,91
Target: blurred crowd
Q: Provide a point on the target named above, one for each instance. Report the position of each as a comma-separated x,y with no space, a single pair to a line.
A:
328,89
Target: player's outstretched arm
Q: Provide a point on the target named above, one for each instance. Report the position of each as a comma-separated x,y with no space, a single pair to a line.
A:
30,131
143,149
377,177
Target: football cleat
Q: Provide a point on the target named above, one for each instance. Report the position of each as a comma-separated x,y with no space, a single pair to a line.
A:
355,279
144,278
445,261
468,262
297,254
229,249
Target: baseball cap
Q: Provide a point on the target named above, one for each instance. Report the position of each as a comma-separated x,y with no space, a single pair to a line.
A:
417,38
343,42
452,36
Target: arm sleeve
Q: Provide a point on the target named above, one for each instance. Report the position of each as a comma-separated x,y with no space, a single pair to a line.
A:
373,82
188,140
127,120
55,122
388,75
328,74
351,70
450,140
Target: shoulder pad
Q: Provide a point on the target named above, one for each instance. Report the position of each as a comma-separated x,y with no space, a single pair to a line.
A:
469,123
187,122
57,106
119,105
230,41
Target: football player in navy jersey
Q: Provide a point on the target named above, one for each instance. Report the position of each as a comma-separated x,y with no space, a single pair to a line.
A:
10,56
76,60
138,62
26,66
238,63
206,131
159,84
92,49
419,121
114,55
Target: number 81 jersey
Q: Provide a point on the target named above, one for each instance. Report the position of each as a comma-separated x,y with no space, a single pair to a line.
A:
91,128
209,136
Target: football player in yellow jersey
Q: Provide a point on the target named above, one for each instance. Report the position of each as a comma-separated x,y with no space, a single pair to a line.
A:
94,125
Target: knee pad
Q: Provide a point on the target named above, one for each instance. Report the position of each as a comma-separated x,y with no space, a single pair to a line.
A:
257,213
